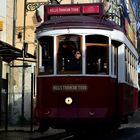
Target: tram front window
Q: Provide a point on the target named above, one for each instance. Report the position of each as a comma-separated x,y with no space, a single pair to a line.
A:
69,56
46,55
97,54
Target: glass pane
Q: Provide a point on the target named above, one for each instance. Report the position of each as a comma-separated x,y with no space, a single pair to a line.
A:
46,55
69,54
97,54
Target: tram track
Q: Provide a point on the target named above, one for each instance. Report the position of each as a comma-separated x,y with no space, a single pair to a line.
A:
69,136
60,136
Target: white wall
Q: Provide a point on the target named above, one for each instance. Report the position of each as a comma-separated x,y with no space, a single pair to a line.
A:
3,18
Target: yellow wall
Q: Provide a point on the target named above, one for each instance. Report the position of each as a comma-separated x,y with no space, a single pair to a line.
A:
9,22
6,19
31,24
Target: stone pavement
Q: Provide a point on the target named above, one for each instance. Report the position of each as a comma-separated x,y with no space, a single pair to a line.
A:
23,133
136,117
26,135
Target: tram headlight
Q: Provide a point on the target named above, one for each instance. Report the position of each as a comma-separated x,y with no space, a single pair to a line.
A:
48,112
68,100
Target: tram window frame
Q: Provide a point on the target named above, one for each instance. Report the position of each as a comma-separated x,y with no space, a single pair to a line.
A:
69,54
97,58
130,67
46,55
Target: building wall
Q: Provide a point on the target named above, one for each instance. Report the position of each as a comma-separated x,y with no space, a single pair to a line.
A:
17,72
6,15
9,21
3,19
31,24
6,34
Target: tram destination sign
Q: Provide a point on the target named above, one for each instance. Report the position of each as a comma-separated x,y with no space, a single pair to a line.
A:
75,9
61,10
91,9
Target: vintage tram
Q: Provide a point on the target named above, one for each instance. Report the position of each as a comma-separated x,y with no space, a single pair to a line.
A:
87,68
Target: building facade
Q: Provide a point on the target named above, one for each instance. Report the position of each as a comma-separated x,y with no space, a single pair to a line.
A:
6,42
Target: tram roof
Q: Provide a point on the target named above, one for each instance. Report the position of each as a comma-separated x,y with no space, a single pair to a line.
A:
88,16
78,22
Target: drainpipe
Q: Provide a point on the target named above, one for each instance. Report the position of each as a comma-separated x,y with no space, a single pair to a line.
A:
23,69
14,22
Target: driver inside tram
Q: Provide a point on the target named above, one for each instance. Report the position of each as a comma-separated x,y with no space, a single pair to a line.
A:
69,56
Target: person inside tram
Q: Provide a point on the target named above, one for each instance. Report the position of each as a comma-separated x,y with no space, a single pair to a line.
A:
77,60
68,56
77,55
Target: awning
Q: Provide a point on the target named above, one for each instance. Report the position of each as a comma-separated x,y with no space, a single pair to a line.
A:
10,53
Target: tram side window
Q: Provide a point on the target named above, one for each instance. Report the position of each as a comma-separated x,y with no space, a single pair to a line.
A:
130,67
69,54
97,54
46,55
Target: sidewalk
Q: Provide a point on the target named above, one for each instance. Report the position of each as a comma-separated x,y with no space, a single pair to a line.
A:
26,134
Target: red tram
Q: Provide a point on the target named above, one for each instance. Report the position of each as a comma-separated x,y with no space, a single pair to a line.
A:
87,68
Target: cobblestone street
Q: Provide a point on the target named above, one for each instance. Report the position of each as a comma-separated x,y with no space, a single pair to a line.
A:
25,134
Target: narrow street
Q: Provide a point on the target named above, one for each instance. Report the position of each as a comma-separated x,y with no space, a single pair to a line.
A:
130,131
